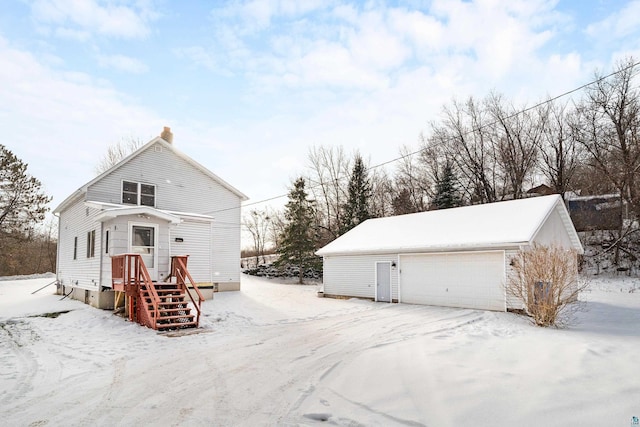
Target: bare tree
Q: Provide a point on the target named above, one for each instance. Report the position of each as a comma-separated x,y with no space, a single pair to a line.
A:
329,175
516,137
381,193
411,179
464,135
545,280
257,223
560,154
608,127
277,223
117,152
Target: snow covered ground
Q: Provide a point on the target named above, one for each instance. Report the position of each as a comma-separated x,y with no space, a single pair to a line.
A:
275,354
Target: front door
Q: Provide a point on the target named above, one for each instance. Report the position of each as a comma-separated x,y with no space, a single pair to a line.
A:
383,281
144,241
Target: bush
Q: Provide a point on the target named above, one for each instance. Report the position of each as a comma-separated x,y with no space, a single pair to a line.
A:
545,279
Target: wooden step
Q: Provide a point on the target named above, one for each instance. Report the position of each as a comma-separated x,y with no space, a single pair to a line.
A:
167,304
174,315
167,326
174,291
163,299
174,310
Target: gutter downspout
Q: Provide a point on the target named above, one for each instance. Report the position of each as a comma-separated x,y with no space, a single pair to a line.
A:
58,250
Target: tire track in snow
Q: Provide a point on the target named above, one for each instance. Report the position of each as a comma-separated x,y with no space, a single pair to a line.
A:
17,336
361,333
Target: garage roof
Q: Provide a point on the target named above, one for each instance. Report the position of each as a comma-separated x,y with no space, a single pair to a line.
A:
493,225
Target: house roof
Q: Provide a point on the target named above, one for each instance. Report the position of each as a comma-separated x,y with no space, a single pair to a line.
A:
137,210
82,190
113,210
494,225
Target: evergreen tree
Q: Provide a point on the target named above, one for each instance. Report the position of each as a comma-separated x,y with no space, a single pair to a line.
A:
22,202
297,242
402,203
446,192
356,210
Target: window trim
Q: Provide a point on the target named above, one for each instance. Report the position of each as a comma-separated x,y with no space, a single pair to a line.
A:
138,193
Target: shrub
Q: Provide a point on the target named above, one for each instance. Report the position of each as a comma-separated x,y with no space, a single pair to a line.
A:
546,280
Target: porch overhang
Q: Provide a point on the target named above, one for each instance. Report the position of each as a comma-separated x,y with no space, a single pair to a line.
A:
141,211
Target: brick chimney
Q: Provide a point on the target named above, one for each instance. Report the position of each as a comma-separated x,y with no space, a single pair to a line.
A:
167,135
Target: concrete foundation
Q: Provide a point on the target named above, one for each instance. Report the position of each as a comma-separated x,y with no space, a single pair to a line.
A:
106,299
98,299
227,286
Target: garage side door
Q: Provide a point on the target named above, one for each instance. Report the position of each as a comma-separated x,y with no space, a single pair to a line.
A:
463,279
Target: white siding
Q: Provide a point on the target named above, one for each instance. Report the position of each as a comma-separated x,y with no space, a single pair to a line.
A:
119,243
553,231
83,272
226,243
180,187
512,302
196,242
354,276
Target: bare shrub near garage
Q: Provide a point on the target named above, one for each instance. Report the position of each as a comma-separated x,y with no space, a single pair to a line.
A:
546,280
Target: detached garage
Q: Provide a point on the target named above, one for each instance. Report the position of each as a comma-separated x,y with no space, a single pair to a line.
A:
453,257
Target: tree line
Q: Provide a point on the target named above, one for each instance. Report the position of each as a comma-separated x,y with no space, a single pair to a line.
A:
478,151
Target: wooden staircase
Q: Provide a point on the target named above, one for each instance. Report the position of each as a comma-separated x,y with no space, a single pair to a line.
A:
157,305
173,308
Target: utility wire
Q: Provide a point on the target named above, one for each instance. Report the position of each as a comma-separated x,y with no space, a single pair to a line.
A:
470,131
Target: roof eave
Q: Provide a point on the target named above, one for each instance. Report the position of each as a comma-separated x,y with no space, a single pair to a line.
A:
74,197
137,210
429,249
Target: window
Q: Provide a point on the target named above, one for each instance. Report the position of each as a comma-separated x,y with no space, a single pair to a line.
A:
130,193
135,193
147,195
75,247
91,244
106,242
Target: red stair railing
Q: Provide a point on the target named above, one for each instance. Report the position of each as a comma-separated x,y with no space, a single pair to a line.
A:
129,274
180,272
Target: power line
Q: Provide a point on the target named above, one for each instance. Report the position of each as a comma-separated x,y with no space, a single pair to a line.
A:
493,123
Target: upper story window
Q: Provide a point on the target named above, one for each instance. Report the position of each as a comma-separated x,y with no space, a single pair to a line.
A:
136,193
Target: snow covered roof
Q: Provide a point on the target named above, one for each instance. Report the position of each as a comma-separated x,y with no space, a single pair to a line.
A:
112,210
493,225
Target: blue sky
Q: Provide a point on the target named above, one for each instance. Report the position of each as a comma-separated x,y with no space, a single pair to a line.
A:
249,86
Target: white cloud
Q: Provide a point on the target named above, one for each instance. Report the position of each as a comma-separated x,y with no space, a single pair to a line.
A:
619,24
250,17
47,114
78,19
331,64
122,63
368,47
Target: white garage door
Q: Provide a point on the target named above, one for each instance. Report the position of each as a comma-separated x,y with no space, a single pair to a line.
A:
463,279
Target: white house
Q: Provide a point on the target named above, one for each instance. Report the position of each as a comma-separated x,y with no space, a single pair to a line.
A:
156,202
456,257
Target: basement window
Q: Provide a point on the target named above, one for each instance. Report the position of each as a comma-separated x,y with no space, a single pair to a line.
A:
136,193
